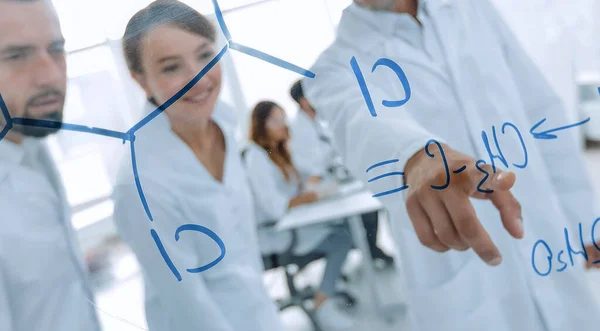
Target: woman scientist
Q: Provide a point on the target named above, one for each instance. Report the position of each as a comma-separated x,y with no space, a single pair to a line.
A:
189,166
276,185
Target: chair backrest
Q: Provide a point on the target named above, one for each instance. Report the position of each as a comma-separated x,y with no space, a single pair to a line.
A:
270,261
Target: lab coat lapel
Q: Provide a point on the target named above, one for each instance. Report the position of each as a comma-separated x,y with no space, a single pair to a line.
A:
65,216
56,177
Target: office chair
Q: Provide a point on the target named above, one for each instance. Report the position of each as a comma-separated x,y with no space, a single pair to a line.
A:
293,264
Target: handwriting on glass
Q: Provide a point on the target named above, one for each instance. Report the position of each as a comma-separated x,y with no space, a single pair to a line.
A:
545,268
360,78
547,134
130,135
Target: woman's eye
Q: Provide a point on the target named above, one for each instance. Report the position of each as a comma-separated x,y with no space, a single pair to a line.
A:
207,55
170,68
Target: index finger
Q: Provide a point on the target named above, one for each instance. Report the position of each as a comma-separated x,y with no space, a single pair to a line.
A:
469,227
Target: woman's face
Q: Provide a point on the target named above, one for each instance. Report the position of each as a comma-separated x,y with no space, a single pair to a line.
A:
277,129
170,58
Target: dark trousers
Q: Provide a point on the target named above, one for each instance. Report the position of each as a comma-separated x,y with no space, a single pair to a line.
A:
371,224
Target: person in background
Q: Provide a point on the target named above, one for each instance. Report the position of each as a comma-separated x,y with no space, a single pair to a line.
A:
191,173
43,280
277,187
313,153
466,232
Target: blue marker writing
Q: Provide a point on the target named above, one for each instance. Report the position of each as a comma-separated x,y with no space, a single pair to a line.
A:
212,235
364,89
393,173
561,261
486,141
508,124
570,249
594,238
487,175
401,76
548,133
500,156
541,242
443,156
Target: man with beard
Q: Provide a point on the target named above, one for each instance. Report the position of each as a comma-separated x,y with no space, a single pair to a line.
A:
43,281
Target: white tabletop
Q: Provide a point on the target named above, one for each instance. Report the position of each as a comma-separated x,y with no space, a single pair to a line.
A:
351,200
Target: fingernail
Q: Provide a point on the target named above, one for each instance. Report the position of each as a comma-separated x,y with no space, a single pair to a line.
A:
520,226
500,176
496,261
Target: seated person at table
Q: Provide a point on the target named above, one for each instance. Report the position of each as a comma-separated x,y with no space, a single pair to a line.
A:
277,187
313,153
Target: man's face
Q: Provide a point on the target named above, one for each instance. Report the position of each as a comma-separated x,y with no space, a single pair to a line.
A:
33,75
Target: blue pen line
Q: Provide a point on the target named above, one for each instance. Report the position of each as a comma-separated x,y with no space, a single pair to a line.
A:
396,173
382,164
4,131
4,110
138,184
568,126
164,255
390,191
271,59
212,235
70,127
461,169
546,134
9,122
360,79
222,24
181,92
401,76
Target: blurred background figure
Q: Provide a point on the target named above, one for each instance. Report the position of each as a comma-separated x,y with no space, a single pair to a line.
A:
314,153
190,170
277,186
43,280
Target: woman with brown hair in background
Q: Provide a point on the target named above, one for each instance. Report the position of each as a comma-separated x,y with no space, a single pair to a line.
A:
276,185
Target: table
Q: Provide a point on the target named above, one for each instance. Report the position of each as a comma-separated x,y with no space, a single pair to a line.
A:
351,201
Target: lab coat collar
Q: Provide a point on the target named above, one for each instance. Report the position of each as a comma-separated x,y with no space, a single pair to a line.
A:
11,153
373,28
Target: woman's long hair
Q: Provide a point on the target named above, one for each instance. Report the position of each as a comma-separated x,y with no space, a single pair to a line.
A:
280,155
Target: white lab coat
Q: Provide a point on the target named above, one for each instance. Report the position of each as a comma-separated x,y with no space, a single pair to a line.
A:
311,154
467,73
272,194
179,190
43,280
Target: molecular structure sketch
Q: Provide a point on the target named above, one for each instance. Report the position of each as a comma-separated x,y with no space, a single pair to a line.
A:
129,136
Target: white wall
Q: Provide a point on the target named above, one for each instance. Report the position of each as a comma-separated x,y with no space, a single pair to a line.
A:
558,35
